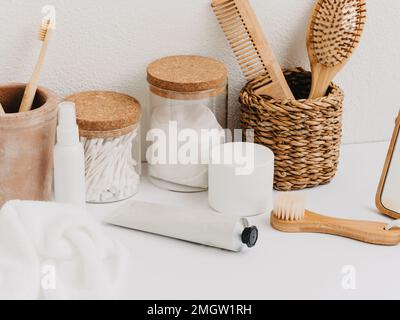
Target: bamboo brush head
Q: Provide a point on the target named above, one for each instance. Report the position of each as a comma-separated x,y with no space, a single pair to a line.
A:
44,30
335,30
239,38
289,206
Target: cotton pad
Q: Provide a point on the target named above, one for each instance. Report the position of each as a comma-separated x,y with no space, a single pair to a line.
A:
201,132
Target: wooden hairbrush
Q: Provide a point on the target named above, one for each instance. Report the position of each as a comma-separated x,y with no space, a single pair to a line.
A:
30,90
290,215
334,33
251,49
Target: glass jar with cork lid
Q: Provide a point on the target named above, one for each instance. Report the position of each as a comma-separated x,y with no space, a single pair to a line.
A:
109,127
188,101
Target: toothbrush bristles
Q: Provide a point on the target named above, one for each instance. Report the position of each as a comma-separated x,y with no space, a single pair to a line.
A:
289,206
44,28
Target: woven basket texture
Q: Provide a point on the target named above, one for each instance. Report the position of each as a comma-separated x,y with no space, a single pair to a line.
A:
305,135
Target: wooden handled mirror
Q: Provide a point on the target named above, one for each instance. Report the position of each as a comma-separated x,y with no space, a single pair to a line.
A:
388,195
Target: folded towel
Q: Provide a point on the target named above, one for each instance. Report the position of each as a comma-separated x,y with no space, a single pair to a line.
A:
56,251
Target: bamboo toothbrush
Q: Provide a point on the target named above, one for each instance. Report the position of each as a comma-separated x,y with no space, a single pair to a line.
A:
334,33
30,90
290,215
251,49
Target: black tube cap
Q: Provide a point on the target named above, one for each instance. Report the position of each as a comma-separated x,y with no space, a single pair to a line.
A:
250,236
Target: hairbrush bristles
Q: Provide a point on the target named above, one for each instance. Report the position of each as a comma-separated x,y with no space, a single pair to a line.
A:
239,38
289,206
336,29
44,29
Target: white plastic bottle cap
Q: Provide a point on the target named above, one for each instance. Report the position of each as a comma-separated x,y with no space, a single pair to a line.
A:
67,130
66,115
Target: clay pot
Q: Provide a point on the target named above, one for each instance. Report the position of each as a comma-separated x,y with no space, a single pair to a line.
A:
26,145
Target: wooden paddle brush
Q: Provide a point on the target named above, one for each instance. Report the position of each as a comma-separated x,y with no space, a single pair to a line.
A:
290,215
334,33
30,90
251,49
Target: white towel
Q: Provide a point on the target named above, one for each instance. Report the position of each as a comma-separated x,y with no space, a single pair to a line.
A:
56,251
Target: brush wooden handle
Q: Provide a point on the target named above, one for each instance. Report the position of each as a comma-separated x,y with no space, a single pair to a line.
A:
2,112
365,231
322,78
31,88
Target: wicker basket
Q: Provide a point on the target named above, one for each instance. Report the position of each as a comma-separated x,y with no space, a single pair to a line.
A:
305,135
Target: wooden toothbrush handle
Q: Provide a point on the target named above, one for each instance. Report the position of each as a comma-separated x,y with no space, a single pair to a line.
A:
365,231
31,88
29,97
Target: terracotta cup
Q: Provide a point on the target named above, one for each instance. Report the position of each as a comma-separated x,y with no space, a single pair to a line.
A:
26,145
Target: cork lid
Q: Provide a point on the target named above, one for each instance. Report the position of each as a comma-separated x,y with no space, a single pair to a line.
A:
187,73
105,113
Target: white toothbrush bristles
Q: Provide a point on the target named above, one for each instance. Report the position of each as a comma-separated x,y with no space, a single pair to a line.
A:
289,206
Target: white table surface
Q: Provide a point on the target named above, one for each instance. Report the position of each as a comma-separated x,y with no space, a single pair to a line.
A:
280,266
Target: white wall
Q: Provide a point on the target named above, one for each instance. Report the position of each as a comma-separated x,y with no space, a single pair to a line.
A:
106,44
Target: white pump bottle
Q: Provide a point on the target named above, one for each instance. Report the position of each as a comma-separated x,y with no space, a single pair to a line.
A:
69,159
